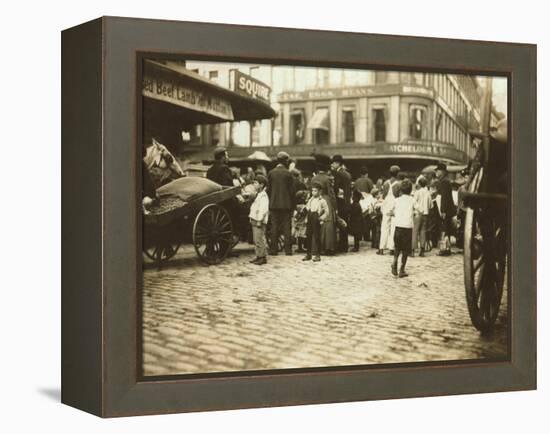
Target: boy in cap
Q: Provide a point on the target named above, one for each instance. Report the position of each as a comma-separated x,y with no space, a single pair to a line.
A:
403,216
259,211
317,213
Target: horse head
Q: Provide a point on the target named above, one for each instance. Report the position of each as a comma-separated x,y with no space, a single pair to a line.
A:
162,165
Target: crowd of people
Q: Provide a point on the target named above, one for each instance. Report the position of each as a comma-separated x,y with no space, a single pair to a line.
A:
319,213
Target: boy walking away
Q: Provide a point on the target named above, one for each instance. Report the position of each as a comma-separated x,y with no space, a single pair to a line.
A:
403,214
422,205
317,213
356,222
259,211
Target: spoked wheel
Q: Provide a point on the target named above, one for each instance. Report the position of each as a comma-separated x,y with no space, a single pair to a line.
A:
484,263
162,252
213,234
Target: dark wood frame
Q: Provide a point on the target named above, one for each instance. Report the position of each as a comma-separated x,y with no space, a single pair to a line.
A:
101,227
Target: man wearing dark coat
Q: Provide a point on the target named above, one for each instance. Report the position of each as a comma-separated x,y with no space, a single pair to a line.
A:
447,208
342,191
219,171
280,189
364,184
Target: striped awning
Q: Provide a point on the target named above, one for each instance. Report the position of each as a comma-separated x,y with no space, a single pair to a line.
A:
319,120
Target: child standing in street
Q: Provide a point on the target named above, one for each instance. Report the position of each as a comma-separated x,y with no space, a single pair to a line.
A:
376,217
317,213
299,221
403,215
259,211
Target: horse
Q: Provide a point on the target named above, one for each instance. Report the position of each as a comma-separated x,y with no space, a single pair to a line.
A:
162,165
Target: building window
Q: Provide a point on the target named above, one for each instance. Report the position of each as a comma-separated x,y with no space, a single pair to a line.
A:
297,126
417,121
380,77
417,78
213,75
348,125
320,126
379,125
440,126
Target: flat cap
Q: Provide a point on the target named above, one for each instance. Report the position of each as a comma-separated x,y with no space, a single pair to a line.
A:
261,179
283,156
395,169
441,166
219,151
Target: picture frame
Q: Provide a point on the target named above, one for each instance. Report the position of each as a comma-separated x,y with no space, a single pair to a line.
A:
101,228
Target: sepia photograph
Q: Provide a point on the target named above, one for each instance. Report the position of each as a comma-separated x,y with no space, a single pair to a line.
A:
301,217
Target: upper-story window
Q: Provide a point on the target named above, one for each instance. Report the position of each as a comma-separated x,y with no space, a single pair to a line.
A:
348,124
297,126
417,121
379,117
417,78
320,126
213,75
380,77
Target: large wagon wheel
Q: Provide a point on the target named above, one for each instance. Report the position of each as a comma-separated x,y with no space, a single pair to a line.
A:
162,252
484,262
213,234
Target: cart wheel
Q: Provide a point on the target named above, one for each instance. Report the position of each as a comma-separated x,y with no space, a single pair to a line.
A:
213,234
162,253
484,263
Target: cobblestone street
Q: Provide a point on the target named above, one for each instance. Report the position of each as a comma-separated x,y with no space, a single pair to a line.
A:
344,310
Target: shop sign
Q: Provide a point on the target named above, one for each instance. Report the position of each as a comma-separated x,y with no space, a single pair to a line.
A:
251,87
188,97
432,149
343,92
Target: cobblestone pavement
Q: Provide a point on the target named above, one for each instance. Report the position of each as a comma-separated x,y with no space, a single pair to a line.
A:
345,310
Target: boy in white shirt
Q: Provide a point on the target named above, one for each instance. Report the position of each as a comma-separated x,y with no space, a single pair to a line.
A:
259,211
403,217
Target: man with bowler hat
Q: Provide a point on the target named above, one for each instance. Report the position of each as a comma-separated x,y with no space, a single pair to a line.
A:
280,189
342,191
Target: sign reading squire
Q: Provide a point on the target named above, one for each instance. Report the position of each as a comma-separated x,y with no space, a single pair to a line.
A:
249,86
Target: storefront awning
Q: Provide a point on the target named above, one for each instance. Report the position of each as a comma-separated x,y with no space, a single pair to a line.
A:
195,100
319,120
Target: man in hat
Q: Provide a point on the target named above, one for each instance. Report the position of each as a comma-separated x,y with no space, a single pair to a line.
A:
280,189
446,208
342,191
219,171
390,191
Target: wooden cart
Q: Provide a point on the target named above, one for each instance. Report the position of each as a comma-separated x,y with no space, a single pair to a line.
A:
204,221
